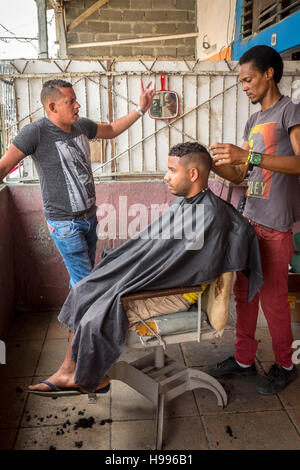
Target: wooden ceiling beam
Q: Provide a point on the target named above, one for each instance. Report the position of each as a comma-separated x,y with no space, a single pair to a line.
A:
133,40
86,14
54,4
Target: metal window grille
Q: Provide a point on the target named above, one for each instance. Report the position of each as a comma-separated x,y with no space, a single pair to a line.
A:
213,108
260,14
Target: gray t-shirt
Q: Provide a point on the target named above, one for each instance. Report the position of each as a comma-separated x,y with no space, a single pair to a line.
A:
272,197
63,164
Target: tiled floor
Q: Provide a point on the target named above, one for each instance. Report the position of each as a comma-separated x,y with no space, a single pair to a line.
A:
124,419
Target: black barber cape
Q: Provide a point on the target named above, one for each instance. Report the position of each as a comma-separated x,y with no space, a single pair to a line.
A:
196,240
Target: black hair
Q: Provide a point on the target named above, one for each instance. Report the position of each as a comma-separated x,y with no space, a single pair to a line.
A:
172,96
194,150
264,57
185,148
51,88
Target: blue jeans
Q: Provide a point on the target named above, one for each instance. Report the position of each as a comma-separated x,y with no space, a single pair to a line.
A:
76,241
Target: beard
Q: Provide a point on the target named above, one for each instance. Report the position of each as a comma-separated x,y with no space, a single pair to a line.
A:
182,190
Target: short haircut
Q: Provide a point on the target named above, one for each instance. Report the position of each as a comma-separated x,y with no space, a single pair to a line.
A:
172,96
194,152
51,89
264,57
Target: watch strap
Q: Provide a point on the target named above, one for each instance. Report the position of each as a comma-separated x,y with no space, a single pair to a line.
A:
140,110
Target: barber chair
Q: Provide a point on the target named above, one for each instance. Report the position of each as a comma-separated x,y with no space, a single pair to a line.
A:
157,376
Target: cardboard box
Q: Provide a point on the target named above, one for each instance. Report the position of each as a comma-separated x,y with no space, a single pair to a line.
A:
294,296
294,301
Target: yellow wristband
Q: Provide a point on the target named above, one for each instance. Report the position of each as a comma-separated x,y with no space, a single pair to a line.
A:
248,159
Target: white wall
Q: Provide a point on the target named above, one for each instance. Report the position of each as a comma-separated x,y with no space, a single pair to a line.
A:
212,106
215,21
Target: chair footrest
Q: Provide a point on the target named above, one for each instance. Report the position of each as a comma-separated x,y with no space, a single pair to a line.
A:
165,325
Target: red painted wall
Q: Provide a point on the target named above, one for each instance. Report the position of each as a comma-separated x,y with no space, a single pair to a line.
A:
41,280
39,272
6,264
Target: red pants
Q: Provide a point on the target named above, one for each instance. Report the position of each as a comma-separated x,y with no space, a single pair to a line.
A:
276,249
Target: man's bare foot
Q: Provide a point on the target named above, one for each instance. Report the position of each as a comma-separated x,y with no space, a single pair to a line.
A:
58,379
65,381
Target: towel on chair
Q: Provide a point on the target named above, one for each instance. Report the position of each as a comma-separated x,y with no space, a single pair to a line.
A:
215,301
155,306
223,241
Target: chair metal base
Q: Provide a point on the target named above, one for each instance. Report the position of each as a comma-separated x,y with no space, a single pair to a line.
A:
160,379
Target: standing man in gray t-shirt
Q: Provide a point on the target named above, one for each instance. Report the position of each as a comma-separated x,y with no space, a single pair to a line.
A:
271,155
59,145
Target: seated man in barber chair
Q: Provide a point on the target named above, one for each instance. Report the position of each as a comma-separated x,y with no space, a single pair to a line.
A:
195,241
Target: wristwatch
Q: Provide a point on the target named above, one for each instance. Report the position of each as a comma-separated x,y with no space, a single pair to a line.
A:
140,110
255,159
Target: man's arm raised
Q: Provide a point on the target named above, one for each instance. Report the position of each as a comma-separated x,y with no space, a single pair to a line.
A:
9,160
228,154
109,131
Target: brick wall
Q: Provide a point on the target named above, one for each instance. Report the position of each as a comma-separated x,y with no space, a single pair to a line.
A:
127,19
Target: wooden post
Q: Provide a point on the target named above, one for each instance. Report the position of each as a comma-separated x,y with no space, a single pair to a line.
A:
2,132
61,34
42,23
110,114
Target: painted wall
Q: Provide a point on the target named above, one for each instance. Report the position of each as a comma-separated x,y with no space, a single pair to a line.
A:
41,278
6,263
33,276
216,22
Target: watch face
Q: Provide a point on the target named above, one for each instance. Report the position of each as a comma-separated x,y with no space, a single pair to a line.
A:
255,158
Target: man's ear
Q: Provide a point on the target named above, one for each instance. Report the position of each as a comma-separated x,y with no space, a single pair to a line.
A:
194,174
270,73
51,107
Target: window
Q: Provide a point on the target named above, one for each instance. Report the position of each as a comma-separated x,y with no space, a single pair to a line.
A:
260,14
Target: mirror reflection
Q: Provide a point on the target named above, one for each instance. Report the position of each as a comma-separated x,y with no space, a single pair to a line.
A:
165,105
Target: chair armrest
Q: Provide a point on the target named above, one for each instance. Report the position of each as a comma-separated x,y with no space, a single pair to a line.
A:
159,293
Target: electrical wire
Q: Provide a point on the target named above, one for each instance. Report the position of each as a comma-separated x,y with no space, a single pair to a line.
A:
51,20
14,36
21,26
